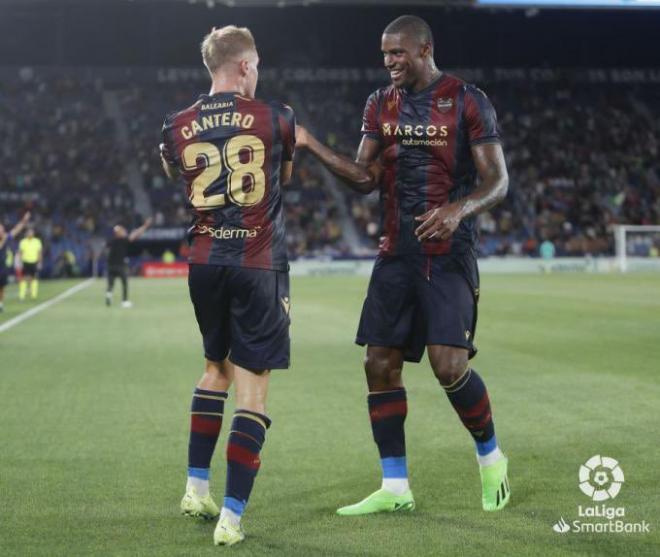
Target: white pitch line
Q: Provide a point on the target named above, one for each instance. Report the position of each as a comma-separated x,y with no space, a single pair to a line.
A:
41,307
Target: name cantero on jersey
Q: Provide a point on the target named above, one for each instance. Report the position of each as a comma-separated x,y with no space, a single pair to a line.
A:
234,119
418,134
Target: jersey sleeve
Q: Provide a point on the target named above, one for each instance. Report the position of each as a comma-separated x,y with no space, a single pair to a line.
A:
370,127
480,117
167,147
287,121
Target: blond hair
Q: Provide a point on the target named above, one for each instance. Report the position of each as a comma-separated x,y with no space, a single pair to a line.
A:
224,45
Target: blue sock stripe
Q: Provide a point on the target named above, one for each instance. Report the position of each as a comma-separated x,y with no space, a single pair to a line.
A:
234,505
201,473
483,448
394,467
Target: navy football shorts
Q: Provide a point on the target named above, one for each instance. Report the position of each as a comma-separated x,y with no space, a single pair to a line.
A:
417,300
29,269
3,279
242,313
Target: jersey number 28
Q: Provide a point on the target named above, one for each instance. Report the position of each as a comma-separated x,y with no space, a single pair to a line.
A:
237,171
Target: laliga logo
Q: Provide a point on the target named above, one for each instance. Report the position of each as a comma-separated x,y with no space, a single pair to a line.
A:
601,478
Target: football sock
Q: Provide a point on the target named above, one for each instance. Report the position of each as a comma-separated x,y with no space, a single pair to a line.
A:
469,397
205,423
22,290
34,288
124,289
248,433
387,412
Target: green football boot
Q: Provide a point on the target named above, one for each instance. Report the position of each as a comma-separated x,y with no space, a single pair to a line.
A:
199,507
380,501
495,490
227,533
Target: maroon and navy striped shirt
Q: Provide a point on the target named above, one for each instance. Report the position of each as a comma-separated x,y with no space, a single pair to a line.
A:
229,150
425,142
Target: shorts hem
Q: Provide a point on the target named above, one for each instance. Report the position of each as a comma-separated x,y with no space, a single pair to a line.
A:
472,350
361,341
208,357
260,365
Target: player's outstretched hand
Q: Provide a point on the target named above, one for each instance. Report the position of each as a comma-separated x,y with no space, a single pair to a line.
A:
439,223
26,216
302,137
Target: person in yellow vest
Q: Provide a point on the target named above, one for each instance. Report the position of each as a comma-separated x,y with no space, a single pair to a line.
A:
31,250
6,256
168,257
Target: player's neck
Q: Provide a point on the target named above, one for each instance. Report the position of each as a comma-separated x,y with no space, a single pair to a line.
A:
430,75
227,85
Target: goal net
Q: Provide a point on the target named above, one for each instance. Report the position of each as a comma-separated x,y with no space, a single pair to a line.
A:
637,248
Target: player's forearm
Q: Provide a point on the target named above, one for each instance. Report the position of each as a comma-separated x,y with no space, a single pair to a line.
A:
491,192
139,231
18,229
356,176
494,178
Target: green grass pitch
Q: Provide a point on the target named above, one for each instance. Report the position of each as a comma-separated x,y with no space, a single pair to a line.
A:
94,421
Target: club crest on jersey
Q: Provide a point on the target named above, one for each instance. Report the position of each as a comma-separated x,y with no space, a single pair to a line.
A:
444,105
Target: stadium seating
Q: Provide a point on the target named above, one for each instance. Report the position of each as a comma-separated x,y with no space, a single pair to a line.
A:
580,158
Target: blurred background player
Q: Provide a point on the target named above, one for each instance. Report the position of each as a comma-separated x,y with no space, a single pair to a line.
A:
432,134
547,253
5,238
30,250
234,153
118,260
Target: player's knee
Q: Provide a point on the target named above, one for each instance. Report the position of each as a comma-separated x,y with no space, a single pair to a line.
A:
381,372
449,367
217,371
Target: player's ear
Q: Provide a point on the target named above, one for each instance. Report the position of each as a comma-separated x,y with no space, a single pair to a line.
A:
243,67
427,51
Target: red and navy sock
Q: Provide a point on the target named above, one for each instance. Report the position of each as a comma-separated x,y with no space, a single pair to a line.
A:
469,397
248,433
387,412
205,423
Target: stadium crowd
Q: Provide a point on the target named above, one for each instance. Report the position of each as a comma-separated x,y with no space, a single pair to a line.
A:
60,161
580,159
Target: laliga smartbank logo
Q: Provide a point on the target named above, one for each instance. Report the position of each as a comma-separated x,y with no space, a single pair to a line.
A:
600,479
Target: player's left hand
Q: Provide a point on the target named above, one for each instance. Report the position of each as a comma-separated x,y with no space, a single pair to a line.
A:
439,223
302,137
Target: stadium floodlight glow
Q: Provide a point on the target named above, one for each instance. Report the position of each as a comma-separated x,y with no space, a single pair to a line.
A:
573,3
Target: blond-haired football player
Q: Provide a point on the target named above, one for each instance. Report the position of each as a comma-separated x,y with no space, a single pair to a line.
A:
233,152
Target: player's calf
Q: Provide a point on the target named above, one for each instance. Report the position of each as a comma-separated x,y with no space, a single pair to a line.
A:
248,433
468,395
206,413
